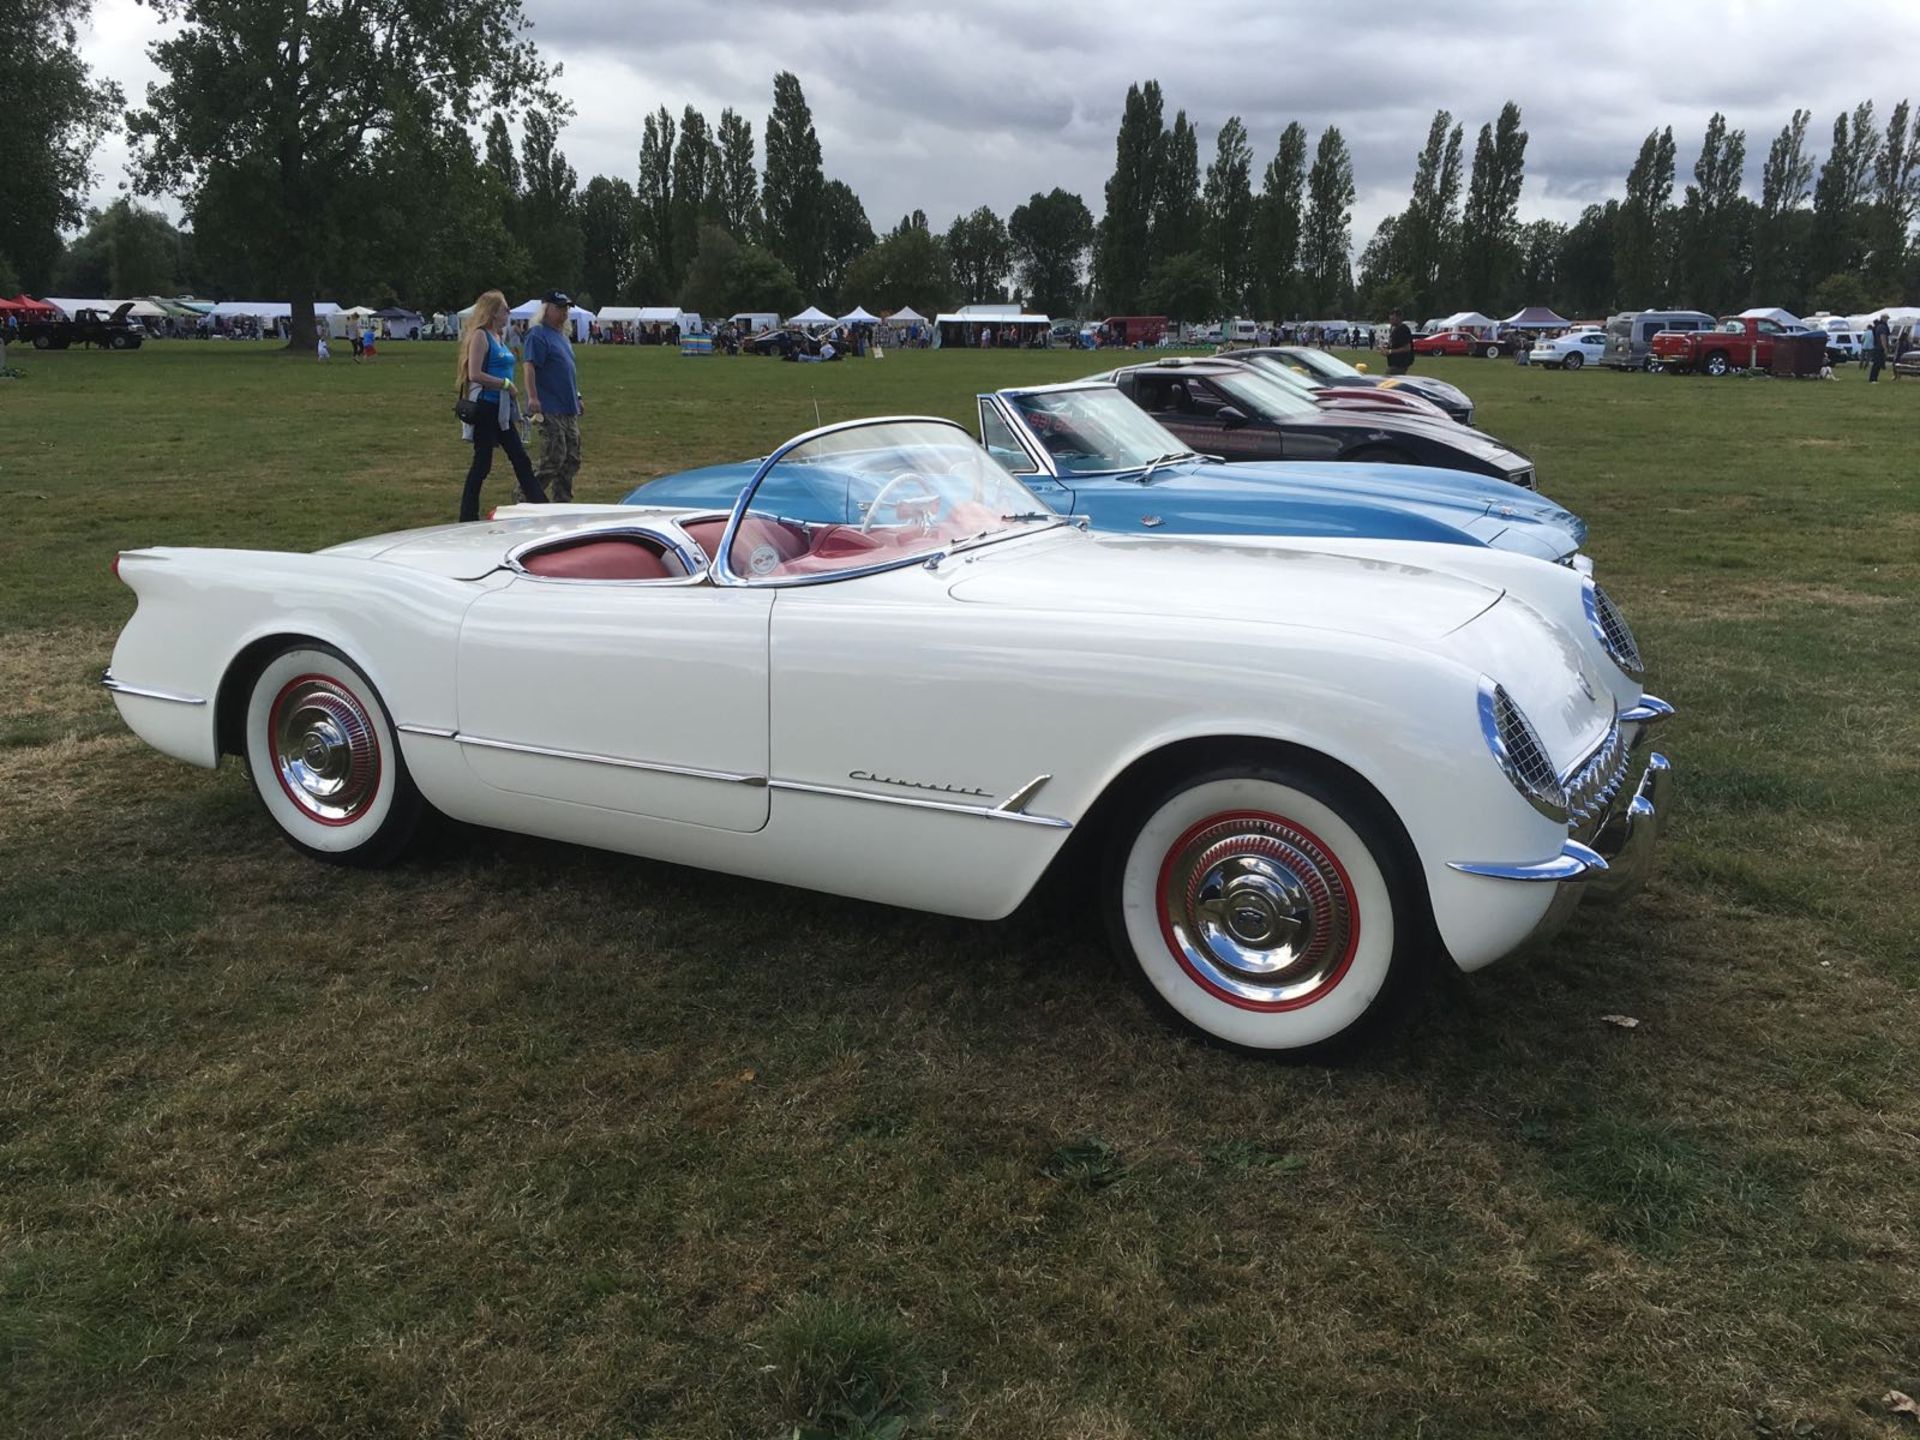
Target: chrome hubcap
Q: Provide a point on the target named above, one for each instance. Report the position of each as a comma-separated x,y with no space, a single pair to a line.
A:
1257,910
324,750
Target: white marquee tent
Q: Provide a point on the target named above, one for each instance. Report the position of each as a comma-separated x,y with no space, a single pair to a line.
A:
906,315
859,316
1770,312
812,315
1467,320
578,317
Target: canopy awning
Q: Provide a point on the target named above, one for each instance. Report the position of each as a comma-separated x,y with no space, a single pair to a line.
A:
1536,317
906,315
641,314
1771,312
812,315
962,318
1468,320
27,305
859,316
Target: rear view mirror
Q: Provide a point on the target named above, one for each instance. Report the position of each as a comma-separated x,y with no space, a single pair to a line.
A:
1231,417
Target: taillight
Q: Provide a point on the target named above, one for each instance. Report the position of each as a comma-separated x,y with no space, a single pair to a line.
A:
115,567
494,513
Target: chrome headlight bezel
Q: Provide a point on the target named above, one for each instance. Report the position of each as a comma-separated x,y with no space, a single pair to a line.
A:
1517,749
1610,628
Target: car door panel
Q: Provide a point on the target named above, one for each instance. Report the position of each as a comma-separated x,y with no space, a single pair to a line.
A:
645,698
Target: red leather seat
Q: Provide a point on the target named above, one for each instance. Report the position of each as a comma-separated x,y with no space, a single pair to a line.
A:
707,534
611,559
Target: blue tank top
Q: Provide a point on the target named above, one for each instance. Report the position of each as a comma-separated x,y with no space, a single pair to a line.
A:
499,362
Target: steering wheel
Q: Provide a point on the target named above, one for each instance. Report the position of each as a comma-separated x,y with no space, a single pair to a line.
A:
904,477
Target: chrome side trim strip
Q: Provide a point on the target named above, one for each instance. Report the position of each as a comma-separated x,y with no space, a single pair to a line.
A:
120,687
692,772
1574,862
1650,710
433,731
985,812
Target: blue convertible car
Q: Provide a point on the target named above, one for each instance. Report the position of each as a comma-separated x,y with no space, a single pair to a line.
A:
1089,451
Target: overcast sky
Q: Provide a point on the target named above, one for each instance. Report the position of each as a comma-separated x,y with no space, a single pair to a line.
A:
945,106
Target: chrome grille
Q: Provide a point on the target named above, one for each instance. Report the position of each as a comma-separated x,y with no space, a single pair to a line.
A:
1515,744
1616,634
1590,787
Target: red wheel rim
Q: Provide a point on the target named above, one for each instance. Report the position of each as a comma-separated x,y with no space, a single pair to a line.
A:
325,750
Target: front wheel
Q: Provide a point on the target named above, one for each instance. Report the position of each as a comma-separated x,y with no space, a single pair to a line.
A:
1492,352
321,750
1572,362
1266,909
1717,365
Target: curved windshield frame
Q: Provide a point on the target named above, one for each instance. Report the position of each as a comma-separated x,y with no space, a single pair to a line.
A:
1095,430
871,495
1318,362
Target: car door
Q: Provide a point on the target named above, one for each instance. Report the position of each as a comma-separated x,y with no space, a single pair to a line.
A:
646,697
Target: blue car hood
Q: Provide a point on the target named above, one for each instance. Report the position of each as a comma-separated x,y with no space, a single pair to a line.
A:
1358,501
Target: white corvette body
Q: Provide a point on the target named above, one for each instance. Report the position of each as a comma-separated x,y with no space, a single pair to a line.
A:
933,734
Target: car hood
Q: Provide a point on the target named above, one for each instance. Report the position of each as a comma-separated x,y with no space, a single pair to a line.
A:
1388,597
1430,387
1357,498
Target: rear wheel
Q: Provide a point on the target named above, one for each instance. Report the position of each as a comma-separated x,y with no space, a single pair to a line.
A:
41,342
1573,361
1716,364
324,760
1265,908
1491,352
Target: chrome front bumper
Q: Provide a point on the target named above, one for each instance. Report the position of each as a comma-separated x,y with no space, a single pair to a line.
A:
1608,854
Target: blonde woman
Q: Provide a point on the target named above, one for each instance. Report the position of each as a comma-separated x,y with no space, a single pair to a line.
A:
485,376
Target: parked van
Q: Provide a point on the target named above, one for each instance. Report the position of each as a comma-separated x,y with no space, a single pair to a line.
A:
1630,334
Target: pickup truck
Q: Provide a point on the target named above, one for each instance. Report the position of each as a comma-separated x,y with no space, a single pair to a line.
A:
87,327
1738,342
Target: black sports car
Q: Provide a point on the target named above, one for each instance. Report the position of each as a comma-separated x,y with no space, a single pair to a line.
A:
1230,409
1335,371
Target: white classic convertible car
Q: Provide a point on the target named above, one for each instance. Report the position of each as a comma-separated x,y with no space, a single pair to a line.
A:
1296,770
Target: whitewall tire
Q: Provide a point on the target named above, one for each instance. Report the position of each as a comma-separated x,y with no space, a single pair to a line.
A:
324,760
1264,909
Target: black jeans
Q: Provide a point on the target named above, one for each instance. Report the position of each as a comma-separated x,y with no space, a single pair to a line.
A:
487,434
1878,359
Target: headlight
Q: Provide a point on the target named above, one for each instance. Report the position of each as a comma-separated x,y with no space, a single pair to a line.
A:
1517,750
1611,629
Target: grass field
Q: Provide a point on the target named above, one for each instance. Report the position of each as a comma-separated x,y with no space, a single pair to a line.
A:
517,1139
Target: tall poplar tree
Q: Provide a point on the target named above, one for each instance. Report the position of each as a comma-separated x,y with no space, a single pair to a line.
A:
1489,260
1709,216
695,184
1228,205
1326,240
793,193
1639,260
1125,253
1780,236
1427,231
1176,199
1277,223
1050,235
739,179
657,262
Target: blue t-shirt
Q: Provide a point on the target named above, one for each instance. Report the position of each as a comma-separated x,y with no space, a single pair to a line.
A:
551,355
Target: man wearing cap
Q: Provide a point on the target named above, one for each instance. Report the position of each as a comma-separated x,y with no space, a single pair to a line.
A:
553,397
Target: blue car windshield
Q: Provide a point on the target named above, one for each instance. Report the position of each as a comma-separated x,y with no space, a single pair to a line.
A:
1095,430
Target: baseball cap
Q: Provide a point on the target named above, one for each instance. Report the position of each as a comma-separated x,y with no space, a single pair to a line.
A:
556,297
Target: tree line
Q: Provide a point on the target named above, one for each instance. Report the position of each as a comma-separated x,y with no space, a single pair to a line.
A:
356,150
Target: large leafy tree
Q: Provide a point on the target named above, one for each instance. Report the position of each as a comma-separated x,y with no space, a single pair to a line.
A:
1050,235
1584,273
269,117
1837,240
1890,212
1326,240
849,235
696,183
1489,258
606,233
1639,233
653,232
1276,244
1184,288
1228,204
909,267
1125,254
53,114
727,276
127,249
981,253
793,191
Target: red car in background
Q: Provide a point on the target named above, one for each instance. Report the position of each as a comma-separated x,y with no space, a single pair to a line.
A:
1446,342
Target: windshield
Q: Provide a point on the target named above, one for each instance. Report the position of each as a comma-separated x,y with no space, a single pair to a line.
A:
1327,367
1264,396
1095,429
872,495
